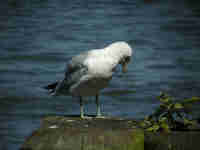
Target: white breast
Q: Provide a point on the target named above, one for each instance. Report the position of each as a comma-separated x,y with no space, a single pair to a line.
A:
101,64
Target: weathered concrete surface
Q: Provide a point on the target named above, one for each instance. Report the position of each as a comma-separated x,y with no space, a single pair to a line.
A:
73,133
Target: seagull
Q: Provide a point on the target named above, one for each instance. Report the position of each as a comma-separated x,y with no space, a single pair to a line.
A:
89,72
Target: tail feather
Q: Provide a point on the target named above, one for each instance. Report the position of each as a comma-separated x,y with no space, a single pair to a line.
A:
51,87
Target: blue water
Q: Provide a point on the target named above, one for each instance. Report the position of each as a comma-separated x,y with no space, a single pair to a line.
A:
37,37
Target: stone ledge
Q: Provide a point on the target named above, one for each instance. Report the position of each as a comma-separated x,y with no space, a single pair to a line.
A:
74,133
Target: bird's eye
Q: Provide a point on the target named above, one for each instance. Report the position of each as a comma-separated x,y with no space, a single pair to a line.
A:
127,59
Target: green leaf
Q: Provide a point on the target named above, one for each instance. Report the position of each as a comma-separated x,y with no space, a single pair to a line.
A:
165,100
191,100
170,106
195,99
164,106
142,124
154,128
150,129
178,106
187,121
166,115
165,127
170,147
147,118
145,123
163,120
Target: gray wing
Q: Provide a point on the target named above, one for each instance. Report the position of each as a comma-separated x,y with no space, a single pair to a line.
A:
75,63
74,71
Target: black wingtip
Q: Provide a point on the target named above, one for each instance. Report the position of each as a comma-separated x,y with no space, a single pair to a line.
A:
51,86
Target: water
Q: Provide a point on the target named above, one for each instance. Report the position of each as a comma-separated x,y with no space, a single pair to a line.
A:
38,37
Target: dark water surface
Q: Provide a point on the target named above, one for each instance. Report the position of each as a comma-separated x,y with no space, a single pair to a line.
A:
38,37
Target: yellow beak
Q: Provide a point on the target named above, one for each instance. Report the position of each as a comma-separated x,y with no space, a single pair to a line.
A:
124,68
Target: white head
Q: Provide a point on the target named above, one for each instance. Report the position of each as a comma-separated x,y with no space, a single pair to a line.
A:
120,51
